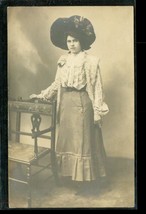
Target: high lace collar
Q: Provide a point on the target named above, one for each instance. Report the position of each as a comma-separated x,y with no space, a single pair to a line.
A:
75,60
72,60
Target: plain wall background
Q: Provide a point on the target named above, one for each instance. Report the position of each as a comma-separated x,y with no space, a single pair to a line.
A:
32,60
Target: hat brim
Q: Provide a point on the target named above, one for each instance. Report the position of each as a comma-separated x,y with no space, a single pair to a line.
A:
63,25
57,33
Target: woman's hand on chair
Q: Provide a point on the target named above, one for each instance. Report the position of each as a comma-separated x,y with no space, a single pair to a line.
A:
32,96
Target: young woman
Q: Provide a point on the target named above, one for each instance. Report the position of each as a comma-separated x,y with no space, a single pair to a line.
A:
78,85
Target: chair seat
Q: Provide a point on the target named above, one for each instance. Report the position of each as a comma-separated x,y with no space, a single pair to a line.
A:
24,153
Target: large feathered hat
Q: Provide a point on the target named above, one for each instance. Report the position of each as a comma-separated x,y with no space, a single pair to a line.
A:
78,25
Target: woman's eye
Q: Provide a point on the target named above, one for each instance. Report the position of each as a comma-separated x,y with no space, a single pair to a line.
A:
69,41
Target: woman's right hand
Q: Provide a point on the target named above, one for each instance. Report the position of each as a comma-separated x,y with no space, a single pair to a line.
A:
32,96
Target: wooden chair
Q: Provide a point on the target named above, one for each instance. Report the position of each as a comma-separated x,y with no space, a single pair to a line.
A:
31,154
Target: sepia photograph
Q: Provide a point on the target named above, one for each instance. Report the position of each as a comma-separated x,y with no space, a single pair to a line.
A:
71,131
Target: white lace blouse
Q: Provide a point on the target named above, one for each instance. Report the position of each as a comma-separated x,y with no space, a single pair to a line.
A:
78,71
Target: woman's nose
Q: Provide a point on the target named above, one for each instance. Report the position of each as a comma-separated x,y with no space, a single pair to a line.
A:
72,43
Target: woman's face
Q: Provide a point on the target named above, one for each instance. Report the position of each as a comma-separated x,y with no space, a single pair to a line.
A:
73,45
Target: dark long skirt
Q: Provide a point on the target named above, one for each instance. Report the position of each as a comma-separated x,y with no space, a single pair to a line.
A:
79,149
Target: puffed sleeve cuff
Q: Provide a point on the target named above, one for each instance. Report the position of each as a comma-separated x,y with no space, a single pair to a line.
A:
99,112
96,117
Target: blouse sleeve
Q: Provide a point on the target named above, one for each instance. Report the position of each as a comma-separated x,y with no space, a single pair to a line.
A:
51,91
100,107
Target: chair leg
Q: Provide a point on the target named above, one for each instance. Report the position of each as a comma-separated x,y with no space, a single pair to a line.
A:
29,185
54,167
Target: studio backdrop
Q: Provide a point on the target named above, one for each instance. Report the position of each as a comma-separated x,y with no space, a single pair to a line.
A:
32,62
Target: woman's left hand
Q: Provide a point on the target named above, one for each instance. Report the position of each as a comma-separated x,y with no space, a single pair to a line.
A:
98,122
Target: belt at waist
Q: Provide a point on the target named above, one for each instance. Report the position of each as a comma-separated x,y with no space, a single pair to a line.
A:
69,89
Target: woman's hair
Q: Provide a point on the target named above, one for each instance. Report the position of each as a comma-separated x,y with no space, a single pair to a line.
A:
77,36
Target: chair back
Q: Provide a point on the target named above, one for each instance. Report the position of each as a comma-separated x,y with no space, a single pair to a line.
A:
36,109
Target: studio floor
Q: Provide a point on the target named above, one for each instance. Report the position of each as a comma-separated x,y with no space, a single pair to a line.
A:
119,192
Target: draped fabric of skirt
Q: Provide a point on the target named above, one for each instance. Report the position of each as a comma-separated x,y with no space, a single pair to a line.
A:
80,151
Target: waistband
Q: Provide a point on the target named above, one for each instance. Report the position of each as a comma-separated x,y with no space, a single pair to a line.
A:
70,89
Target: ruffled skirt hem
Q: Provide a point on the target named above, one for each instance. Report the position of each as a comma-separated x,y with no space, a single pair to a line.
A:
78,168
